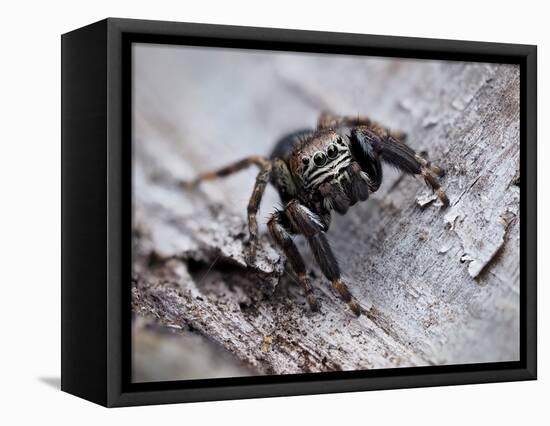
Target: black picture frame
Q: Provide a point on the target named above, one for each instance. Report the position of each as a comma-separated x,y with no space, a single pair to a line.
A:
96,211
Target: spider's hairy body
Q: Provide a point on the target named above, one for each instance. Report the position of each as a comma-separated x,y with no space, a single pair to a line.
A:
334,184
318,171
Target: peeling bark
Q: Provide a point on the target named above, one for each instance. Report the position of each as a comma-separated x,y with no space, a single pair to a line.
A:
440,286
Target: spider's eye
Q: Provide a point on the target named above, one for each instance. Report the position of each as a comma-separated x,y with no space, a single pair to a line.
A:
319,159
332,151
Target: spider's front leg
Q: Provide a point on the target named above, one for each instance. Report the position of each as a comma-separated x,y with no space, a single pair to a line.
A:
302,220
264,164
368,142
279,228
262,180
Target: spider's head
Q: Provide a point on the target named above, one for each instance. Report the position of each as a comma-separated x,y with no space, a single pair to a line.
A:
322,158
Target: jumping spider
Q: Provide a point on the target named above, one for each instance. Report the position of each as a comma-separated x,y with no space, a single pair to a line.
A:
317,171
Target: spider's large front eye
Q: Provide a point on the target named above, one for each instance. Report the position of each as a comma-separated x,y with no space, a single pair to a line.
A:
320,159
332,151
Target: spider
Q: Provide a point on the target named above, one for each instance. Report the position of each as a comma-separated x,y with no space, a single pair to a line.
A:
317,171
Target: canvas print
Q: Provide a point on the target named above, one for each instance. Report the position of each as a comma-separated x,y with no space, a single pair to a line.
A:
307,212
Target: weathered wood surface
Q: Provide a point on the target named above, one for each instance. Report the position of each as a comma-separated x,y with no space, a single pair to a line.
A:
441,286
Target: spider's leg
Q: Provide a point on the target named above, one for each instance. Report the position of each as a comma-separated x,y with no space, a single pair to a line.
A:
279,229
253,205
433,167
399,155
257,160
312,227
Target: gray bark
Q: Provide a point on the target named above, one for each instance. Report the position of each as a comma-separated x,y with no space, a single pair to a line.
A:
441,286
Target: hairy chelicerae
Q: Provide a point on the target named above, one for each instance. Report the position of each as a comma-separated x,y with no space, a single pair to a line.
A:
317,171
